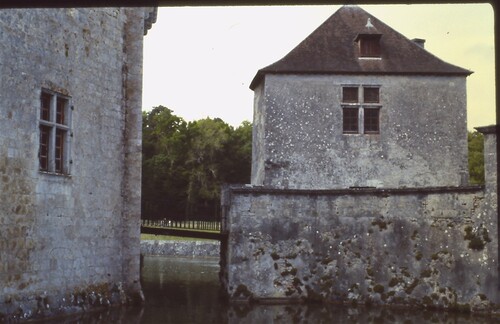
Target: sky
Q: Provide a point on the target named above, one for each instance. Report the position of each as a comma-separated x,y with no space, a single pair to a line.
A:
199,61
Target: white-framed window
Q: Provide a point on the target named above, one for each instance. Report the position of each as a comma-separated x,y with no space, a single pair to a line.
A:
54,132
361,109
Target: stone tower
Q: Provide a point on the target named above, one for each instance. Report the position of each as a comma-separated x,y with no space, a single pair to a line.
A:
357,104
70,157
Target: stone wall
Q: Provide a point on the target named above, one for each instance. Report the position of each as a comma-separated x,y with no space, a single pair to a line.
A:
70,241
299,143
181,248
432,247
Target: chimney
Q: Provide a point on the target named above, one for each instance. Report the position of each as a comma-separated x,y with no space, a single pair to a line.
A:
419,41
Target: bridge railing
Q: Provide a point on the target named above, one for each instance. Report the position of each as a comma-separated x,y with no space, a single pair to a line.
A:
188,225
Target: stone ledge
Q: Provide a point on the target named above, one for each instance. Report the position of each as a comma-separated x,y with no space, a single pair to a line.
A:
259,190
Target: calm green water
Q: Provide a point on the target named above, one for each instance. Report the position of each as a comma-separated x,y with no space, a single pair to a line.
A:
186,290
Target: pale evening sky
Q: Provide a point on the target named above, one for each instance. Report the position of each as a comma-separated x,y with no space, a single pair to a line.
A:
199,61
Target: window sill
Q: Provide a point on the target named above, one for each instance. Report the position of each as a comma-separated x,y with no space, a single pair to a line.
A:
65,175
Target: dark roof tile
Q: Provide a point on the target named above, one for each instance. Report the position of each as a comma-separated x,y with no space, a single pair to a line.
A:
331,49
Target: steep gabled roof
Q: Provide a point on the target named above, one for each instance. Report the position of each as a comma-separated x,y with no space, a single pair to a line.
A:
332,49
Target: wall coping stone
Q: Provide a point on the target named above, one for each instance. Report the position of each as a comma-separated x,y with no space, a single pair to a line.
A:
263,190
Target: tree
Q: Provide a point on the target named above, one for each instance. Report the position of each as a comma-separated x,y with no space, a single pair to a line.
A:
185,164
207,141
163,164
239,148
476,157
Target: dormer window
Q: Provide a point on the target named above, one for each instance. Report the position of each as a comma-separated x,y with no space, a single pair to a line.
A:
369,45
369,41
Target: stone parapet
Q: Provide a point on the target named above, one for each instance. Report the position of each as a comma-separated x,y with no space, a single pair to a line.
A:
432,247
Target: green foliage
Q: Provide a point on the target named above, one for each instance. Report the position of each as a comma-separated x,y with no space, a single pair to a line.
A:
476,157
185,164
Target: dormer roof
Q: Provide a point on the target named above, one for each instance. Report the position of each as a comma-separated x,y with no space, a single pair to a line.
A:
333,48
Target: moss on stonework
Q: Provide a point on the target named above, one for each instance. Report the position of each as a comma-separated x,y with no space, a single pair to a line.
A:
394,281
418,256
98,288
242,291
326,260
378,289
477,237
312,295
258,252
476,244
411,286
426,273
382,225
275,256
464,308
405,272
427,300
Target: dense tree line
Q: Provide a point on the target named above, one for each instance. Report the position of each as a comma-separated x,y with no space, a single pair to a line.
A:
185,164
476,157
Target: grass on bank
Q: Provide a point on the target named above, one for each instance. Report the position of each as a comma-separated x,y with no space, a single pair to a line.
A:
154,237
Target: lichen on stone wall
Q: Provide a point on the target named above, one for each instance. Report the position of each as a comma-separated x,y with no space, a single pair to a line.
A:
377,253
477,236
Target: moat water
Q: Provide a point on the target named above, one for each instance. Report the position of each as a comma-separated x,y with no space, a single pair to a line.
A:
187,290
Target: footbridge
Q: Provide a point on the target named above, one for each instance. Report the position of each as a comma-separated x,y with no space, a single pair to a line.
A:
195,229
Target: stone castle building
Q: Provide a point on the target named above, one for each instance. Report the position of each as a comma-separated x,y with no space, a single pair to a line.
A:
357,104
359,178
70,152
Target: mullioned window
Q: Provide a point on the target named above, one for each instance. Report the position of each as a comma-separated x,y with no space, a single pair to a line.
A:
54,132
361,109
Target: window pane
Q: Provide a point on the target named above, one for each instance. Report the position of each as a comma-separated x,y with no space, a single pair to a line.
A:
350,120
350,94
372,121
59,150
43,152
60,110
45,99
371,95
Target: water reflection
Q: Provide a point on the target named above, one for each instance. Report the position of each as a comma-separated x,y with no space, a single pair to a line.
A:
186,290
182,290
